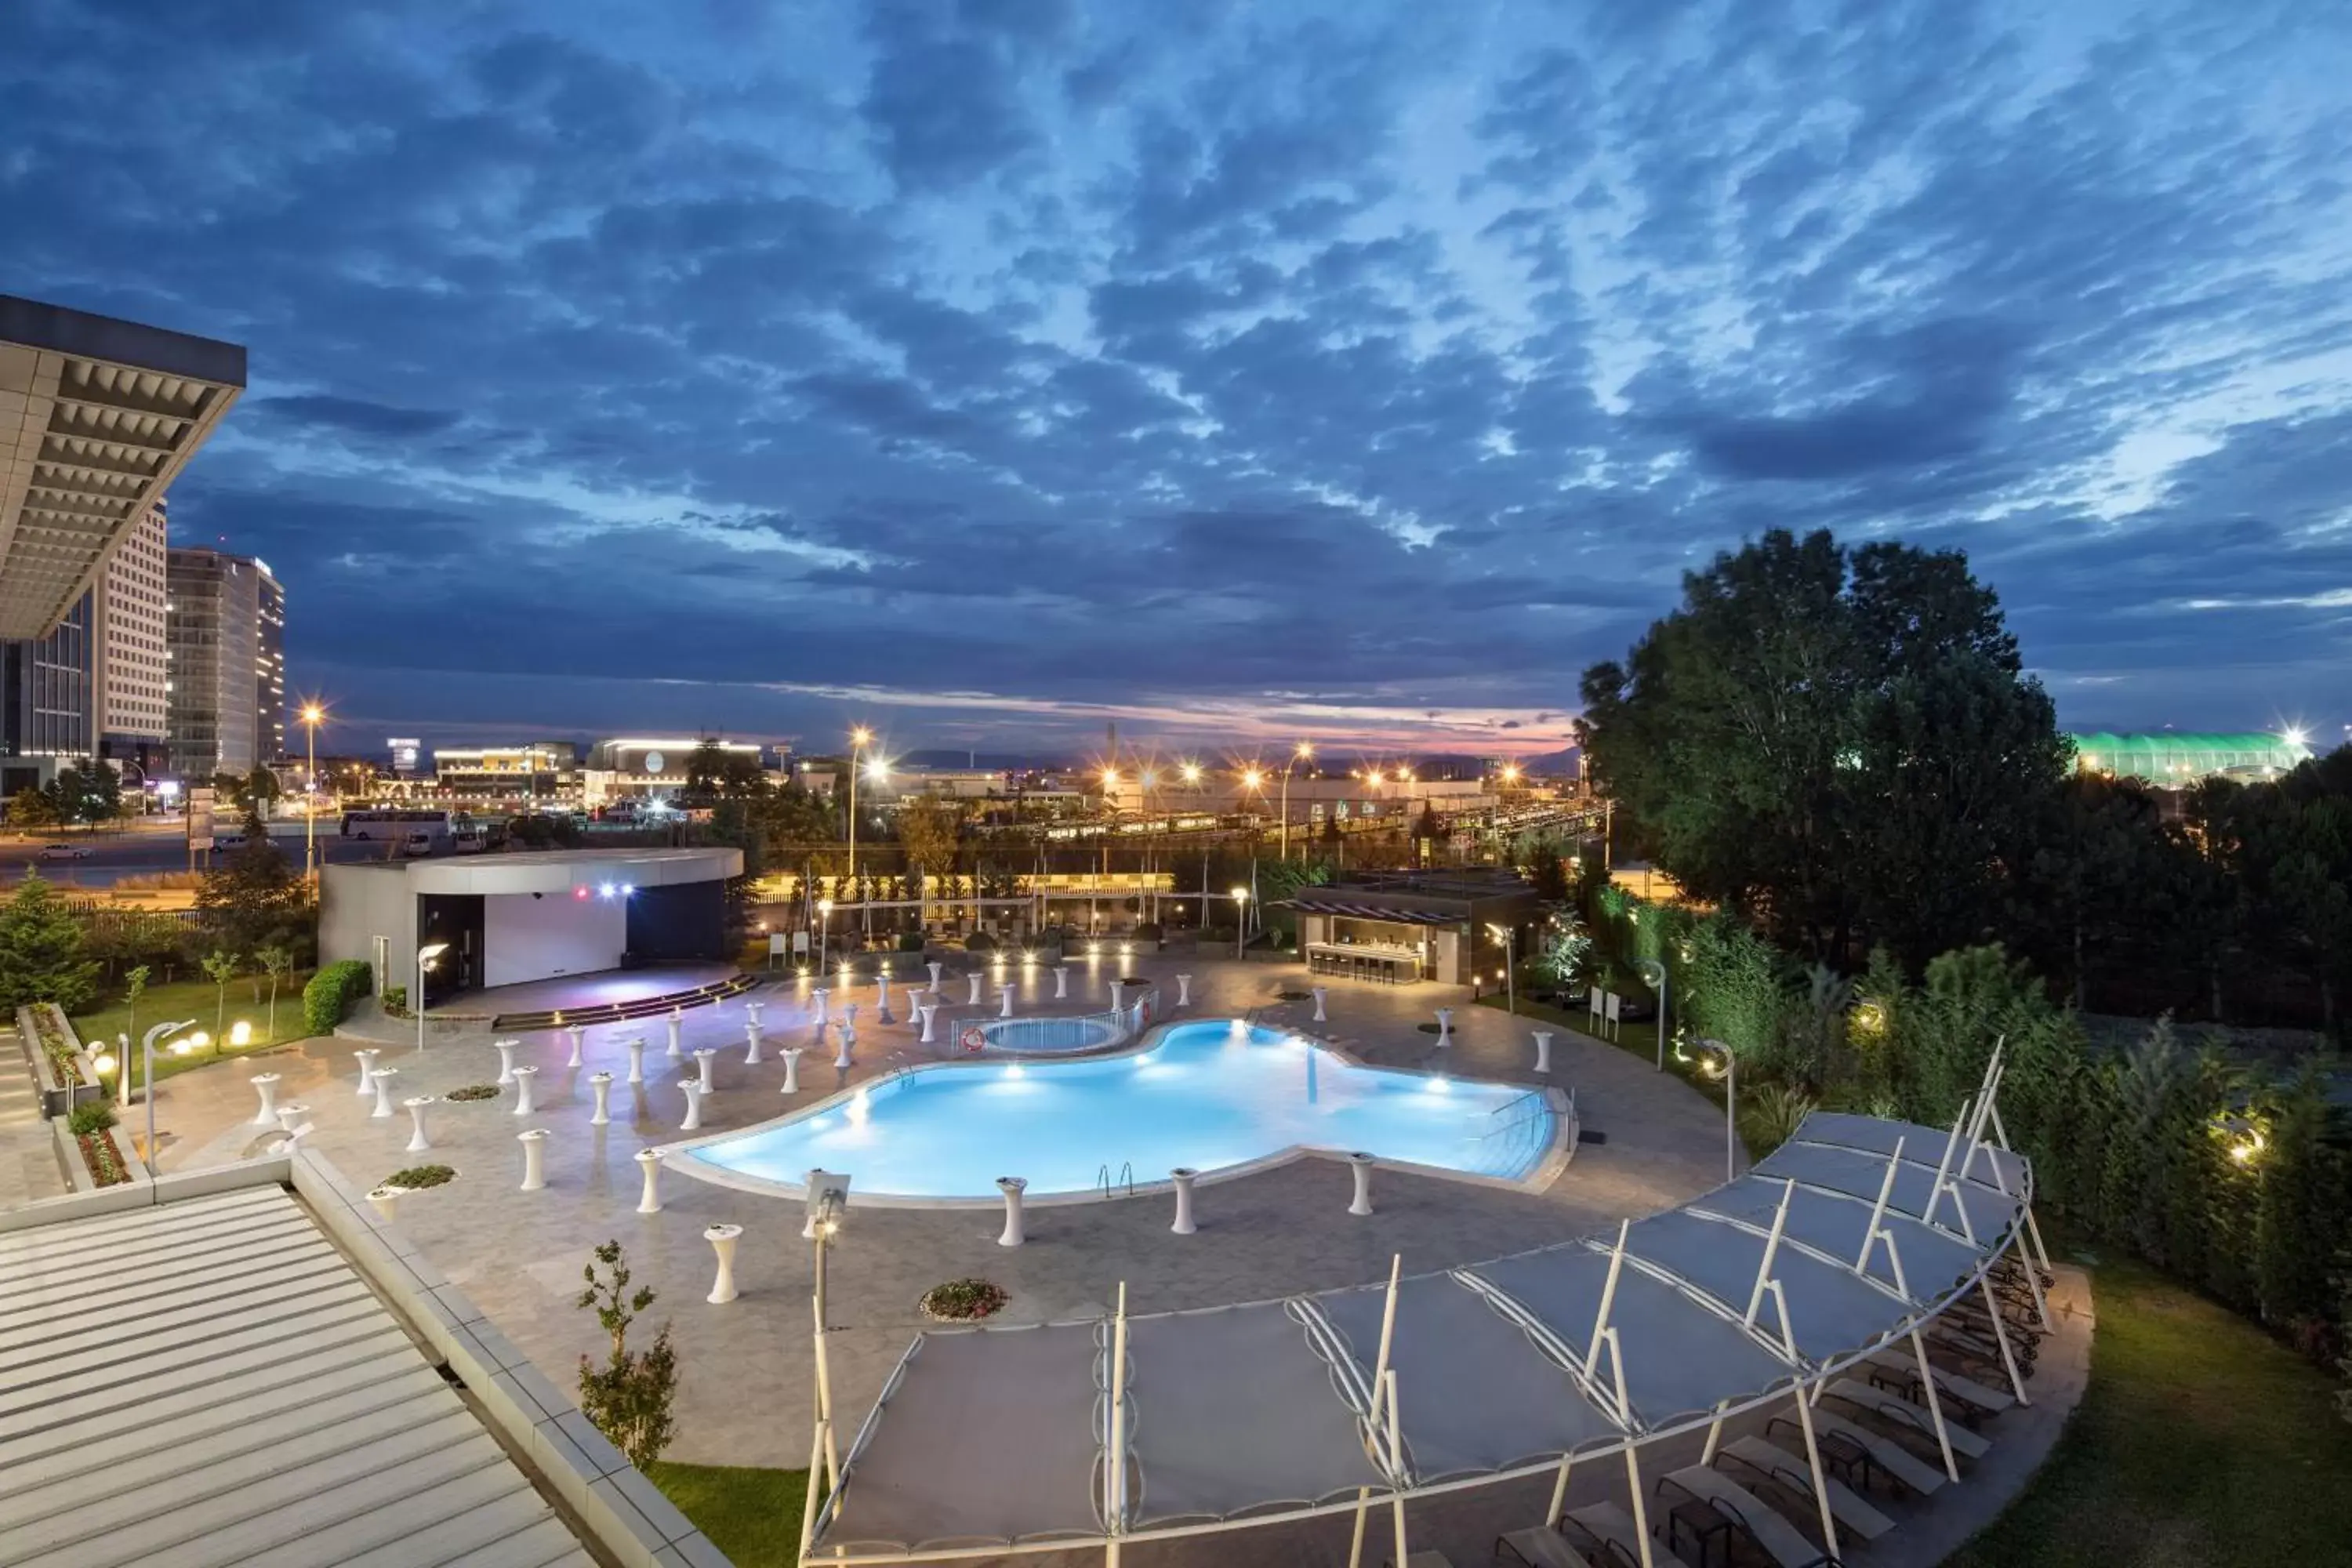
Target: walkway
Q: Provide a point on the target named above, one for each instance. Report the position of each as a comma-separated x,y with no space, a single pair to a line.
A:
28,1157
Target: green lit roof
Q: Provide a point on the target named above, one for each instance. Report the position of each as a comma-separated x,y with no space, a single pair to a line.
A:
2166,756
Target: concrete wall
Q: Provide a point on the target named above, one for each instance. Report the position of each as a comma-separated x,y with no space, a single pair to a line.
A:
359,903
683,921
526,938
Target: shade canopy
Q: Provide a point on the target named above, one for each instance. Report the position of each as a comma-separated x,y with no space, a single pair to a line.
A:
1501,1367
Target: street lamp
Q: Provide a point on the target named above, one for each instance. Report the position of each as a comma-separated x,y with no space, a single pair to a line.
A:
1509,937
312,716
859,739
147,1078
1652,972
425,957
1241,919
828,1201
1713,1060
1302,752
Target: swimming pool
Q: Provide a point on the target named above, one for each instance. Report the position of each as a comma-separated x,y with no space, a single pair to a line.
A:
1213,1095
1048,1036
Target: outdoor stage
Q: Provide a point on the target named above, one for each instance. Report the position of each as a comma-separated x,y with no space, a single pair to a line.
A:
573,993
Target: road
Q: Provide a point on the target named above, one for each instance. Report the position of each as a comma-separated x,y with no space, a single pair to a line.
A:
153,844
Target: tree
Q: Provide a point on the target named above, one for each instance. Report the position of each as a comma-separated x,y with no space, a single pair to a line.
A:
714,773
220,968
30,810
134,987
1841,743
277,962
85,793
41,941
250,793
629,1398
930,827
257,897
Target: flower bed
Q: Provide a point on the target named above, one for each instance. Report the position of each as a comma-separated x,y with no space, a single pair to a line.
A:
474,1092
417,1178
963,1300
106,1167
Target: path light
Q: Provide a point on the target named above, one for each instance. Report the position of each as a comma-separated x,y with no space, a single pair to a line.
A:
425,957
722,1239
1241,921
240,1034
1713,1060
534,1159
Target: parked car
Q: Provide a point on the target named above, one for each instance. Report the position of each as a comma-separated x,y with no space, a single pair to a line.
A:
227,841
65,852
417,844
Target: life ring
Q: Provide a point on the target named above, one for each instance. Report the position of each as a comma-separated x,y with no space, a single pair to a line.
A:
974,1040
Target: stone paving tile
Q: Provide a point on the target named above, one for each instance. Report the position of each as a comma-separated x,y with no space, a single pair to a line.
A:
748,1366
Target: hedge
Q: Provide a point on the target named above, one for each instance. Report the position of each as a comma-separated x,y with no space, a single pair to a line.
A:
327,999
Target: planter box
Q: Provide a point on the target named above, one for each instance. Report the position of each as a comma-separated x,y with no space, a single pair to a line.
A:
57,1097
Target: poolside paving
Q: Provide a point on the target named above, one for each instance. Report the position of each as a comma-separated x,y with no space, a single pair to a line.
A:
748,1366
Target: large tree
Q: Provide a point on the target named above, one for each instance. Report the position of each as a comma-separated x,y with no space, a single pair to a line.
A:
257,897
1839,741
41,951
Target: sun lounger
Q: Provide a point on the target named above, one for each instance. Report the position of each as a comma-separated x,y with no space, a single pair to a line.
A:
1787,1470
1745,1513
1604,1534
1901,1412
1979,1398
1886,1455
1540,1546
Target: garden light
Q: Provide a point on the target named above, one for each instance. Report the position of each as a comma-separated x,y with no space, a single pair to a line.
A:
240,1032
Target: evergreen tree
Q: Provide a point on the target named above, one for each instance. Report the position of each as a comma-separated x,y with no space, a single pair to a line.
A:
257,897
41,956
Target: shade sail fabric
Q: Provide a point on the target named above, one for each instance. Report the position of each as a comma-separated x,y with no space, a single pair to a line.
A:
996,1436
992,1434
1189,1373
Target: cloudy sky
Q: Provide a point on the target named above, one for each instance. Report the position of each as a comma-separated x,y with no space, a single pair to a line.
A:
989,369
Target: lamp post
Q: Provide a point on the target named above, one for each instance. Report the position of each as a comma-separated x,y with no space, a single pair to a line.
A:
824,928
828,1200
1509,938
312,714
1302,752
1241,921
859,739
425,957
147,1078
1715,1059
1652,972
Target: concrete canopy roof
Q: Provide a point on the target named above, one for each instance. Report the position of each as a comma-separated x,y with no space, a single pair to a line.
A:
97,418
555,871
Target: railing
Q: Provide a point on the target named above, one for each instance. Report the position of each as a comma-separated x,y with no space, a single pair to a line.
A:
1523,1125
1103,1180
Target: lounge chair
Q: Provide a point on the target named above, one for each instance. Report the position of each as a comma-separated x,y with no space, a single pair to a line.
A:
1905,1416
1977,1399
1741,1511
1865,1452
1777,1467
1604,1534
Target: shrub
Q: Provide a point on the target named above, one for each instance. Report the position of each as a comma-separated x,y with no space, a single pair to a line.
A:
1149,930
474,1092
395,1001
910,941
980,941
327,999
417,1178
629,1398
90,1116
963,1300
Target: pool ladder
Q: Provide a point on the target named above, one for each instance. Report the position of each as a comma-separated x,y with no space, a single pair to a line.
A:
1103,1182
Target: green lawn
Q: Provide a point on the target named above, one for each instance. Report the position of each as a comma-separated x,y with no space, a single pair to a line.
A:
196,999
754,1516
2200,1441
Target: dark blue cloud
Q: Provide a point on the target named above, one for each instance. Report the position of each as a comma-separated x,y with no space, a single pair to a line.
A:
1322,364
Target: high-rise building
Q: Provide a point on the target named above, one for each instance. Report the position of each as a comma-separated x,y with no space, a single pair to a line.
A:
270,668
97,418
212,635
131,676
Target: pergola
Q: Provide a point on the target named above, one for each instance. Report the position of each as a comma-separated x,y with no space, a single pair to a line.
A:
1842,1244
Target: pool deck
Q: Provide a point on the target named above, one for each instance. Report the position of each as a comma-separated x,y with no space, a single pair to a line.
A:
748,1366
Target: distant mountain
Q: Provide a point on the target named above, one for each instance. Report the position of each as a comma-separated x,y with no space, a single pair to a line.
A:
1554,764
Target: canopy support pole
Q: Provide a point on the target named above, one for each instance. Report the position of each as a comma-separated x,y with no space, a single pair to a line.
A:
1396,1468
823,1378
1927,1371
1813,1458
1714,1437
1633,1451
1559,1492
1944,1166
1772,1250
1607,1297
1388,1336
808,1493
2000,1335
1114,1462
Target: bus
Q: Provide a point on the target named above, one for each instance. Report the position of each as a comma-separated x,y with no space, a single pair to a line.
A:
395,822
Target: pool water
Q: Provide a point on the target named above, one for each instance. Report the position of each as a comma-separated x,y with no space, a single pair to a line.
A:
1208,1095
